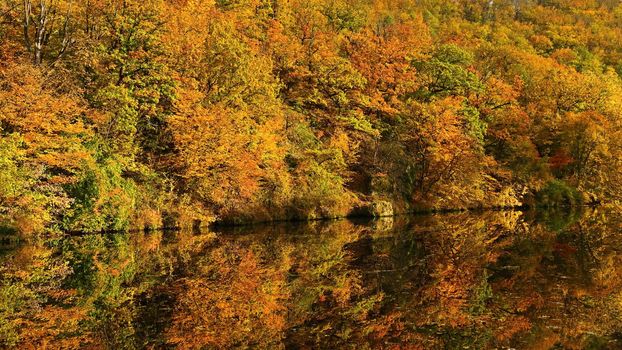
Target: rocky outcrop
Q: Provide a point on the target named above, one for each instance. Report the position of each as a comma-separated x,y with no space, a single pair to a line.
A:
375,209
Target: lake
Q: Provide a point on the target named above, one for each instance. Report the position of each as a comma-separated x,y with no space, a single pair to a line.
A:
490,280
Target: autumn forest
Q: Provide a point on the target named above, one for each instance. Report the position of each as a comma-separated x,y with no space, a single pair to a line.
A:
130,114
164,165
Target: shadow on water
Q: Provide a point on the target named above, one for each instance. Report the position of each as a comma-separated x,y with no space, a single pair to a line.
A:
489,280
9,240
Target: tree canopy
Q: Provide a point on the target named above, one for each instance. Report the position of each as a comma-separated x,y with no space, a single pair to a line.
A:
118,114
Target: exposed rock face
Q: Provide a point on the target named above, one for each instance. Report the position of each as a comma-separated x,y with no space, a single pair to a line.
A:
374,209
381,209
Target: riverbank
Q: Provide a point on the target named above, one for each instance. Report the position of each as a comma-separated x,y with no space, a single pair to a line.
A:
184,217
353,217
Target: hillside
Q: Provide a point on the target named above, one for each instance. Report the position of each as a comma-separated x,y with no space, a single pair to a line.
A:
129,114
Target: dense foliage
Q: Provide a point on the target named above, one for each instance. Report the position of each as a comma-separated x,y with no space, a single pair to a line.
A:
119,113
495,280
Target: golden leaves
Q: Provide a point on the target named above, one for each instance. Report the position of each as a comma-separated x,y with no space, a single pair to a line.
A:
242,304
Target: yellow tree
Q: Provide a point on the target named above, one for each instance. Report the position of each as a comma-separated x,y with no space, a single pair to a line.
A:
227,121
47,132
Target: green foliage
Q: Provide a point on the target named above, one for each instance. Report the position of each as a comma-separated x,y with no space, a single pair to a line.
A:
475,126
14,179
345,15
121,123
482,294
102,199
319,184
558,193
446,73
131,86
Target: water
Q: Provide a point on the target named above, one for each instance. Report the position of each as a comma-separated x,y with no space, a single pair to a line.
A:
491,280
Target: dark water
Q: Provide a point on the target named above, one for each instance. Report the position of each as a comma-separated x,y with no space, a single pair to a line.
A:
493,280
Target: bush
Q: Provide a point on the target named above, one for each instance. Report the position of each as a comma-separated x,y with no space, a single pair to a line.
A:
557,193
102,199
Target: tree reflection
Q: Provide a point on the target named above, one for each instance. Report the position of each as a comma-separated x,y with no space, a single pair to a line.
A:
489,280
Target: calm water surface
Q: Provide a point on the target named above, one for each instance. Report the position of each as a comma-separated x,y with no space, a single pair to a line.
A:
492,280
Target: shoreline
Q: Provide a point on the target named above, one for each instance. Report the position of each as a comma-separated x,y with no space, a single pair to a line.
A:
219,225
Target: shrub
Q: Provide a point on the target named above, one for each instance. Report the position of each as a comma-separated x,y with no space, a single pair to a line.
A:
558,193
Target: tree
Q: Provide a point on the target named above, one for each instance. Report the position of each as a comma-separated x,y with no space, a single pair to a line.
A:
228,123
126,80
48,28
44,134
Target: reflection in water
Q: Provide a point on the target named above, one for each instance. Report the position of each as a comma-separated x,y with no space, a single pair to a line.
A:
454,281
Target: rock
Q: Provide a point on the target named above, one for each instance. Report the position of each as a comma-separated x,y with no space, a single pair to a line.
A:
376,209
382,209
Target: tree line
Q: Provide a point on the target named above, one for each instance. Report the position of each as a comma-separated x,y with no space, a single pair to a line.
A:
126,113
